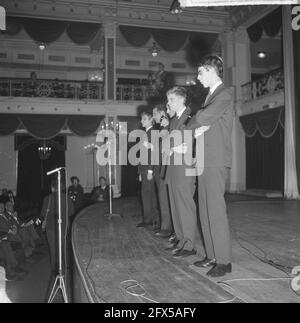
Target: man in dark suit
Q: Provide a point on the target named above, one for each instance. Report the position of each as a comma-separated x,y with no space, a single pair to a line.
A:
149,198
218,114
181,187
161,119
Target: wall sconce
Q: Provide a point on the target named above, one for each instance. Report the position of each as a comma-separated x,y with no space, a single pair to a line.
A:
176,8
154,50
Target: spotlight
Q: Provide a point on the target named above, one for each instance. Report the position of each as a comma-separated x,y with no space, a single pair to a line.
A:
176,8
261,54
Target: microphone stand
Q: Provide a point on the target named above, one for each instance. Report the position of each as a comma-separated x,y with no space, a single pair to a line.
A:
110,214
59,283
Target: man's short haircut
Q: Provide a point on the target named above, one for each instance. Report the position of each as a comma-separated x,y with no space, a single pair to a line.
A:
213,61
148,114
161,108
74,178
178,90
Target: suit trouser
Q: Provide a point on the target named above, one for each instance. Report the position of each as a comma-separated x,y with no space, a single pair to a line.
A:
149,199
183,210
164,203
213,215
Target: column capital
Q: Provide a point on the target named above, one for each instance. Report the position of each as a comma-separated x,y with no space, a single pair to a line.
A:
110,27
241,35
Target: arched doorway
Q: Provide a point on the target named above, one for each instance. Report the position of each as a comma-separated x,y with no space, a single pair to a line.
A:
33,183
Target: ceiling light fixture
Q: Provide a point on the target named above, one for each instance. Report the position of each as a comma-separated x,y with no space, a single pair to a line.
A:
261,54
176,8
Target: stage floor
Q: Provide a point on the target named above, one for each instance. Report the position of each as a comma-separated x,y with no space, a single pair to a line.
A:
124,264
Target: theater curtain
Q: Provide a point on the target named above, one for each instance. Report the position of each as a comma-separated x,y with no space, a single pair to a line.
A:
265,149
84,126
266,122
169,40
49,126
8,124
271,25
48,31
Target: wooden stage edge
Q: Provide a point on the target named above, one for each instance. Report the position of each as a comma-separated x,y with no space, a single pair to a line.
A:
116,262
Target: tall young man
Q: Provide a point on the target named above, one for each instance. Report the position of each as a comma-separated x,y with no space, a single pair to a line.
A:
217,114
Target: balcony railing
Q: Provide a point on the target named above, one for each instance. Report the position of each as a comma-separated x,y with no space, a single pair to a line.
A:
74,90
135,92
269,84
59,89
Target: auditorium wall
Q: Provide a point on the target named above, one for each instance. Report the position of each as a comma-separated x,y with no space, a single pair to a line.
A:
8,161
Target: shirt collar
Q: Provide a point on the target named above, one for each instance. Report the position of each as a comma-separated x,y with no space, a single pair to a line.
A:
213,89
147,129
180,113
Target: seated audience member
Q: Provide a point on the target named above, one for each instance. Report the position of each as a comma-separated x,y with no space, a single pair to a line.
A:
6,231
101,192
4,196
14,200
26,233
75,192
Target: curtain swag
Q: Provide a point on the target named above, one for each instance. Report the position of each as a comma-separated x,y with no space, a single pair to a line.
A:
271,25
49,126
266,122
48,31
169,40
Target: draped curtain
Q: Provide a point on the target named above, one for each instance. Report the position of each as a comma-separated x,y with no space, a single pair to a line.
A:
266,122
48,31
169,40
49,126
271,25
265,149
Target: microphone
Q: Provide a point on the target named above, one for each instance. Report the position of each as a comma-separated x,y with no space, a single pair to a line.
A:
54,171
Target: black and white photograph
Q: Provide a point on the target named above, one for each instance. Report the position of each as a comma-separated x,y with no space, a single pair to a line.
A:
149,154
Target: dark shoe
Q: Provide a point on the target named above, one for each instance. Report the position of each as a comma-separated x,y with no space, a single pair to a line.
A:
172,238
220,270
163,234
171,246
184,253
205,263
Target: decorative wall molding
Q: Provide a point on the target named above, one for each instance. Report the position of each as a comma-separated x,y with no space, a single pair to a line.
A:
68,107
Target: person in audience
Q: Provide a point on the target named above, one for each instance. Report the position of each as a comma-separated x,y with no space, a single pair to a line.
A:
26,228
14,200
6,232
101,193
75,192
31,87
49,217
166,225
4,196
149,199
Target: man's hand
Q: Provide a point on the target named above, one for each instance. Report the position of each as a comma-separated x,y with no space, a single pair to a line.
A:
140,178
181,149
150,175
201,130
148,145
165,122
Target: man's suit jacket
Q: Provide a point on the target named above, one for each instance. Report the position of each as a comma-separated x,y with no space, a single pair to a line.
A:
178,172
218,113
143,169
